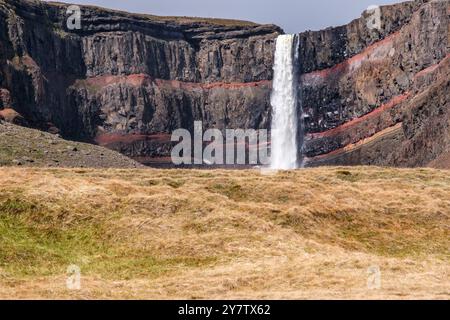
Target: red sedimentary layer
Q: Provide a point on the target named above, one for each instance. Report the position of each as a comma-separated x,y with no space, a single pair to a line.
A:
351,63
370,116
354,146
141,79
387,106
111,138
103,81
9,114
432,68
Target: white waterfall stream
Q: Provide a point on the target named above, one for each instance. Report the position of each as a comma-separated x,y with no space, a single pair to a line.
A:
284,101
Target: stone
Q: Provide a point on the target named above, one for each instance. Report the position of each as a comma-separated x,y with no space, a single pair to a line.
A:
165,73
17,162
27,159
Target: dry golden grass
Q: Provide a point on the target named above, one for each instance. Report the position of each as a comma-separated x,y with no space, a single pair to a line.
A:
225,234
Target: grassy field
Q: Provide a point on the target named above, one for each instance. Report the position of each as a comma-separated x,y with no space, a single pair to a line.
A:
144,233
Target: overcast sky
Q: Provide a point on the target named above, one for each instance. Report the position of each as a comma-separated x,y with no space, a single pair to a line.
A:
292,15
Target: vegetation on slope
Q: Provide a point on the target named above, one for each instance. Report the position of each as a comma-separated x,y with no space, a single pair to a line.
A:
33,148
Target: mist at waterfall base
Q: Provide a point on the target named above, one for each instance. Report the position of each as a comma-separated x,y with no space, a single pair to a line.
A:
284,101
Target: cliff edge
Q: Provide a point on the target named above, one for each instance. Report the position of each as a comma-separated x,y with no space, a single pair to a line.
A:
370,93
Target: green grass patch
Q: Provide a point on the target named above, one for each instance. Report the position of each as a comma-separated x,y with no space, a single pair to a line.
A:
35,242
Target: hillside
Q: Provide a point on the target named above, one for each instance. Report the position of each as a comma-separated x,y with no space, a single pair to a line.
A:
22,146
161,234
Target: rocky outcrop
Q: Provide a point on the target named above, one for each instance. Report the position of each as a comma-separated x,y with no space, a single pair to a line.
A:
370,95
386,103
133,76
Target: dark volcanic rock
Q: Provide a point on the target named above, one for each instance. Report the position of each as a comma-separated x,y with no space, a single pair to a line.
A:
326,48
377,73
126,81
352,106
132,74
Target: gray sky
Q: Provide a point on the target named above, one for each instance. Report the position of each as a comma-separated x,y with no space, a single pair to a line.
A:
292,15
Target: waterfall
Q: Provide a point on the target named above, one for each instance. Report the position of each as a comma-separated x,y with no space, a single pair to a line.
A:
284,132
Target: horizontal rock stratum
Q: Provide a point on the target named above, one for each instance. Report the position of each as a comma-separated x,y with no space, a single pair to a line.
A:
380,97
126,81
127,74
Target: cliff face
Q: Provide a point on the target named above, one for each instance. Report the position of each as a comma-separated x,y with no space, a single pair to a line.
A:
379,96
369,95
127,81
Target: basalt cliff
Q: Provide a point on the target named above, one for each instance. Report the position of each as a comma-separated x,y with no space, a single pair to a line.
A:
126,81
379,96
